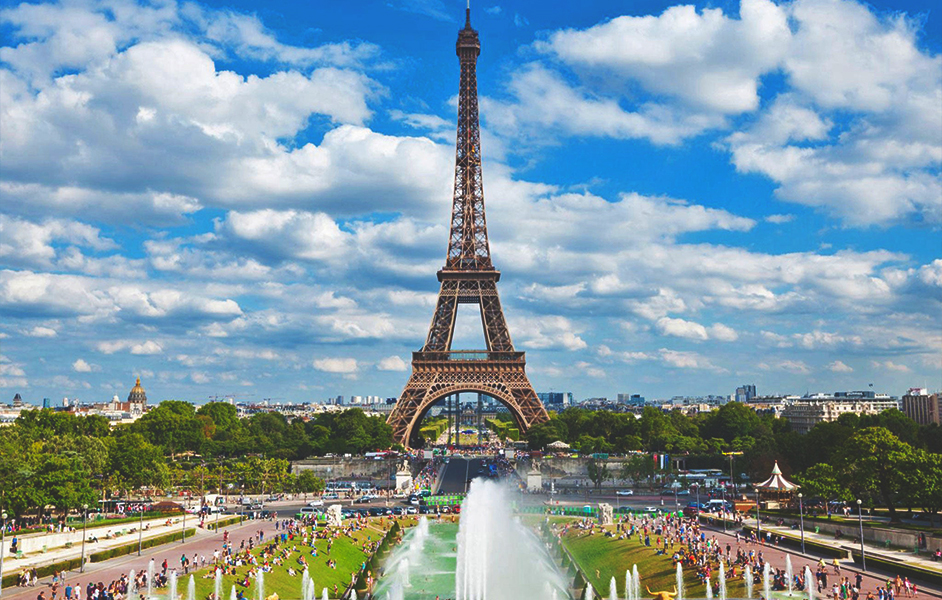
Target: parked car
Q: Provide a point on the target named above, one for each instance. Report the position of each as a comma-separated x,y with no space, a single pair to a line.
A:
625,493
317,502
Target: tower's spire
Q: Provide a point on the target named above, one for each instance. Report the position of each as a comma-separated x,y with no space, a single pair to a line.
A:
468,247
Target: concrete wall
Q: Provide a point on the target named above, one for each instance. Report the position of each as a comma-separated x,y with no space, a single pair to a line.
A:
346,468
876,535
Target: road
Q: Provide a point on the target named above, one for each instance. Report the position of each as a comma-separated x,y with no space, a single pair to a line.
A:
456,475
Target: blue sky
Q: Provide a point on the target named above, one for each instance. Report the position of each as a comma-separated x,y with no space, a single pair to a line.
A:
252,198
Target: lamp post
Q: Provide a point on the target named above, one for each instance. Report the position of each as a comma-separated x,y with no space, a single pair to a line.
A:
758,521
140,530
3,532
183,531
84,529
863,555
801,518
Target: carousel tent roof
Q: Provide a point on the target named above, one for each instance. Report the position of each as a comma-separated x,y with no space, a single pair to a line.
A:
777,481
558,445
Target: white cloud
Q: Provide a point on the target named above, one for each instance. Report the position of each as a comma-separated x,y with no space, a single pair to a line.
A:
889,366
41,332
80,366
780,219
148,347
12,374
704,58
345,366
839,367
682,328
392,363
721,332
686,360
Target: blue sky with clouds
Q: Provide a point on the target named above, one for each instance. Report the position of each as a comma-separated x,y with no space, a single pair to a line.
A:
252,198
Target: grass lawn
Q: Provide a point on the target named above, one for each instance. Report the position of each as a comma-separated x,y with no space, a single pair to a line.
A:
348,553
612,557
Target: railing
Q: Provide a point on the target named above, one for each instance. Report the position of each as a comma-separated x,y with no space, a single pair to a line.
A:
467,355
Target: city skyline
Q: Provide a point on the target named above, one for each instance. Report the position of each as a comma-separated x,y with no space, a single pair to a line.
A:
255,197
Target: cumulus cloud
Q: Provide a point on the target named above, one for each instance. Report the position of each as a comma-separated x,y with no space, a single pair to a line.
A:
42,332
344,366
80,366
839,367
147,347
392,363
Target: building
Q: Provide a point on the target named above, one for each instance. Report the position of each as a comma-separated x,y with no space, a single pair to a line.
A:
555,400
922,407
745,393
136,404
807,412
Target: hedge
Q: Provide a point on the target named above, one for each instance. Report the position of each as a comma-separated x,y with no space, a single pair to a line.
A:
224,522
129,548
907,570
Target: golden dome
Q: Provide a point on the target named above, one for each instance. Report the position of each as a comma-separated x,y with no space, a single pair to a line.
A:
137,393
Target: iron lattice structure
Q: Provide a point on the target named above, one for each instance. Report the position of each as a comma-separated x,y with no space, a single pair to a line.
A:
468,277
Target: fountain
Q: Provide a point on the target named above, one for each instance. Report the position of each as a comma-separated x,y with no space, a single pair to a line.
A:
305,584
789,578
217,585
748,577
680,582
232,594
325,595
709,589
627,584
172,585
810,583
191,589
150,579
612,590
767,581
403,573
495,549
260,584
722,577
132,586
635,583
589,592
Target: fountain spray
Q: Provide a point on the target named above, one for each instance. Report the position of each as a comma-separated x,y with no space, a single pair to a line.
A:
680,582
748,578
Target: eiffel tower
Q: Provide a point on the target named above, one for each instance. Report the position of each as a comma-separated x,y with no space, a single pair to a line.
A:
468,277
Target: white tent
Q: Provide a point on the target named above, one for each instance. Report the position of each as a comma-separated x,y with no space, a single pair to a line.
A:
558,445
777,482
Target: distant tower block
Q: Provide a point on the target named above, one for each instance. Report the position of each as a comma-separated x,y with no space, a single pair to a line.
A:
468,277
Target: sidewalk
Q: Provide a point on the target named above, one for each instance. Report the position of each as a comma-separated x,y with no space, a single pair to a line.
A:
61,553
112,569
901,556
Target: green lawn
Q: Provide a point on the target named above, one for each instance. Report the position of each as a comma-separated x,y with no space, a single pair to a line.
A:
348,554
612,557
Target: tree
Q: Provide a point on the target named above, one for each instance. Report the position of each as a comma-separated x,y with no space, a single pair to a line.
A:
136,463
924,482
823,480
309,483
598,472
872,464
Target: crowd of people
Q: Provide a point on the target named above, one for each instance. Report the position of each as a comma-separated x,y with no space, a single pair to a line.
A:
291,549
694,547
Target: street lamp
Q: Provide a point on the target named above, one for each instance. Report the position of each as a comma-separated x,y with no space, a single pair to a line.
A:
183,532
84,528
863,555
140,530
801,518
3,532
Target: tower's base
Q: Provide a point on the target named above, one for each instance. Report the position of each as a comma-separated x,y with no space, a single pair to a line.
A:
435,375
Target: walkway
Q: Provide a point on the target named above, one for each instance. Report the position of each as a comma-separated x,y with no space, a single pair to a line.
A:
200,545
